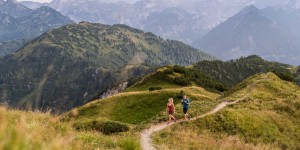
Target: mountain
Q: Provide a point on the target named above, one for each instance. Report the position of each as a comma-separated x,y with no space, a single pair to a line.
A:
14,8
262,112
264,117
11,46
251,32
19,23
178,20
7,25
232,72
288,19
182,20
68,66
31,4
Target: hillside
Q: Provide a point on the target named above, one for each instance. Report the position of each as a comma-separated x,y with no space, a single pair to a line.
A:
35,131
264,117
267,117
233,72
68,66
110,123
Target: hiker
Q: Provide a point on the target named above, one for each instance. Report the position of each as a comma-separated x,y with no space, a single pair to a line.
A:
185,103
170,110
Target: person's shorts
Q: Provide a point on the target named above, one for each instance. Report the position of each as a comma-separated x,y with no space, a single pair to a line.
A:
185,110
171,112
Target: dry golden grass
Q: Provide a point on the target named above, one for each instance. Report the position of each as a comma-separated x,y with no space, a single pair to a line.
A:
34,130
180,137
21,130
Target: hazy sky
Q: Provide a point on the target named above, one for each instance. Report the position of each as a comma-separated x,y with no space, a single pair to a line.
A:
42,1
130,1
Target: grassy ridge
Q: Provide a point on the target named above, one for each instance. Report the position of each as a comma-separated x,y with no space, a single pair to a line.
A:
35,131
143,106
268,118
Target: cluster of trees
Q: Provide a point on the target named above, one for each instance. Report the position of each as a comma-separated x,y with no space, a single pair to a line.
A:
233,72
191,76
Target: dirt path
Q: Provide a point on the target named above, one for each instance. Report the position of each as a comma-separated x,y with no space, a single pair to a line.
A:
146,134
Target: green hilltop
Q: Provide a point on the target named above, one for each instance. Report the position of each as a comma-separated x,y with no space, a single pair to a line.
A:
232,72
68,66
266,117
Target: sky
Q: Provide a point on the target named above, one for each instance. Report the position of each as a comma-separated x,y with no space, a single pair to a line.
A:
43,1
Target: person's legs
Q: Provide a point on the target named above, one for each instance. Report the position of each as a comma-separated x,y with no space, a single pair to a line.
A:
170,118
185,112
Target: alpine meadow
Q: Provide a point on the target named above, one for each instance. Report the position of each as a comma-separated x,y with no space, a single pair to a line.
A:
149,75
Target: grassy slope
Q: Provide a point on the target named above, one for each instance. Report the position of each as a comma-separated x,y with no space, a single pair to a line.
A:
267,119
137,107
35,131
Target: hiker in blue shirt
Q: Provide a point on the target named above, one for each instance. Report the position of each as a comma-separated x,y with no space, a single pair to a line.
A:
185,103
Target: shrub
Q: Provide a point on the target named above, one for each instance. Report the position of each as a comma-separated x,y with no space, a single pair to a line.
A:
180,69
168,71
154,88
285,76
106,127
182,81
181,94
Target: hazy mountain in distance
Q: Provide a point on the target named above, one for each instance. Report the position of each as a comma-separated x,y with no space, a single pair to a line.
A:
189,21
31,4
290,20
19,24
68,66
14,8
251,32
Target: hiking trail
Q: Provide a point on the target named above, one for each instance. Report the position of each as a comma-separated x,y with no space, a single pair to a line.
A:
145,138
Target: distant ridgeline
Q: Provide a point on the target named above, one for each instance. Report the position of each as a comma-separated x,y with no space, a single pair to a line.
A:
68,66
19,24
233,72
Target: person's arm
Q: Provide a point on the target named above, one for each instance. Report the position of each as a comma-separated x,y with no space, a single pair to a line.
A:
174,108
188,102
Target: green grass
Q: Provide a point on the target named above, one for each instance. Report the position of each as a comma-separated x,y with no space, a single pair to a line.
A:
155,79
268,118
137,107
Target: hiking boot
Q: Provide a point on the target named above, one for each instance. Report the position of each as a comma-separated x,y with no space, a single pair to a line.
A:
175,120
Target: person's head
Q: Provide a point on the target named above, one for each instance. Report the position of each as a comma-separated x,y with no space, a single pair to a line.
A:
184,96
170,100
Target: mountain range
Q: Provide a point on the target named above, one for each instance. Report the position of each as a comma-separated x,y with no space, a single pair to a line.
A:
68,66
203,24
270,33
19,24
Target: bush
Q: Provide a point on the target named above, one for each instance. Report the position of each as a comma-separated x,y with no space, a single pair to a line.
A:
180,95
180,69
154,88
168,71
106,127
285,76
182,81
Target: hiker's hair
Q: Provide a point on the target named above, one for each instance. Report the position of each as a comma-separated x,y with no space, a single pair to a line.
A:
171,99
